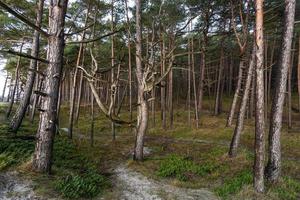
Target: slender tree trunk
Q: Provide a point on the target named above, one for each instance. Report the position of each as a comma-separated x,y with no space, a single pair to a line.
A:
20,113
38,87
73,87
237,92
241,115
259,105
219,80
189,82
298,75
92,121
48,116
142,102
79,94
273,169
129,60
194,84
113,130
290,71
15,85
4,87
163,85
202,77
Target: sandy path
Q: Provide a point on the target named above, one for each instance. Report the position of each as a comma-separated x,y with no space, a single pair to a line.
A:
134,186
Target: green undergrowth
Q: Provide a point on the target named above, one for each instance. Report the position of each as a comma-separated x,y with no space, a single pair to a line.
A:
184,168
73,175
14,152
287,188
234,184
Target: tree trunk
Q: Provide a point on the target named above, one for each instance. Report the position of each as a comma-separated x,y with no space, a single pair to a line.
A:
129,60
237,92
142,102
15,84
194,83
189,82
219,80
273,169
73,87
42,158
259,103
4,87
241,115
20,113
163,85
38,87
79,94
298,75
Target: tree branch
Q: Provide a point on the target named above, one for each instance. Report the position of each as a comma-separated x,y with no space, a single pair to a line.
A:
23,19
95,39
24,55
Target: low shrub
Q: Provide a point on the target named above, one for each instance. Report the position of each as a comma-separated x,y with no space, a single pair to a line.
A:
232,185
87,185
182,168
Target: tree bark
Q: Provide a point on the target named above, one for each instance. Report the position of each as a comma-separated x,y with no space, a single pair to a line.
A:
241,115
142,102
259,105
273,169
237,92
20,113
42,158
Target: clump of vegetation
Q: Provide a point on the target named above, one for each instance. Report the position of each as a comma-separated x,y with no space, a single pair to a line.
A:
77,175
87,185
288,189
14,151
233,185
182,168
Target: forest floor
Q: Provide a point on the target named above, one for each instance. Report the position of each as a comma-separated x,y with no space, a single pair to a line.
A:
180,163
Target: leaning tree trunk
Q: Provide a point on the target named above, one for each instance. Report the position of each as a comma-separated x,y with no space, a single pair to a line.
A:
241,115
237,92
48,115
13,92
259,101
273,169
142,102
20,113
